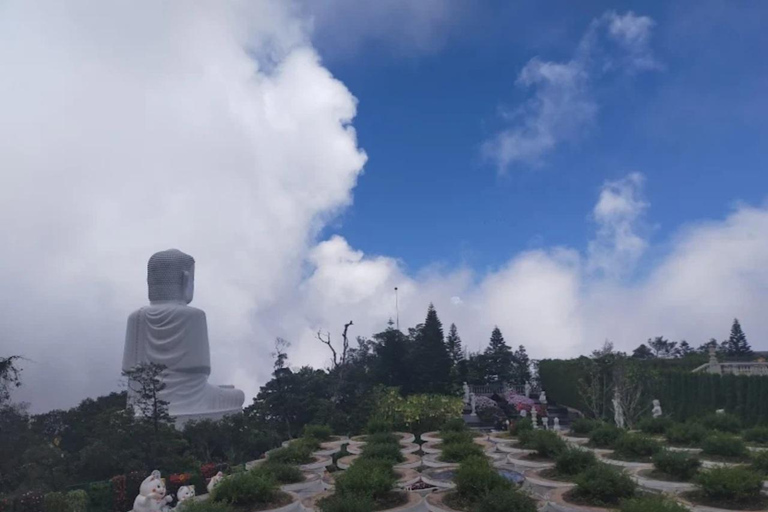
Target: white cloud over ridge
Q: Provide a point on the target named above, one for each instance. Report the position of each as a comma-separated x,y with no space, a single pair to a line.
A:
129,129
563,105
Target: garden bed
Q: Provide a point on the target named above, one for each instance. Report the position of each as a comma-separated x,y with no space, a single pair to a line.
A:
655,480
702,504
397,501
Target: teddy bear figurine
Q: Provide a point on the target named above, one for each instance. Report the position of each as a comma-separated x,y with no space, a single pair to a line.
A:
152,496
185,492
215,479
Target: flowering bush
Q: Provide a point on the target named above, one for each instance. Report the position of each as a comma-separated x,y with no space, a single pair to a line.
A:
523,403
119,495
483,403
31,501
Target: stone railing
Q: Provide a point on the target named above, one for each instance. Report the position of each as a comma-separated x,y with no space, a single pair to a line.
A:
498,389
739,368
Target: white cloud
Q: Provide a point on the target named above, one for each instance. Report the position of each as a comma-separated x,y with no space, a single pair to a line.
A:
563,105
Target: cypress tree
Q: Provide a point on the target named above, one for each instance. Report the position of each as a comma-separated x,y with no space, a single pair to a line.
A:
431,361
499,358
453,345
737,344
521,371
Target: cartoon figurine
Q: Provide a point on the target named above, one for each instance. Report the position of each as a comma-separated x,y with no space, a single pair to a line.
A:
215,479
152,496
185,492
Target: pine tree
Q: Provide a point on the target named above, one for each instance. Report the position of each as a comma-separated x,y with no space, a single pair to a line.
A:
453,345
737,344
685,349
391,364
499,358
643,352
521,372
430,357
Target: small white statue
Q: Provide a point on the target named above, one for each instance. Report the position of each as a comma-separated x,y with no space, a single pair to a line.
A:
523,413
473,402
215,479
534,418
527,389
185,492
543,398
545,422
618,412
466,393
656,409
556,428
152,496
720,411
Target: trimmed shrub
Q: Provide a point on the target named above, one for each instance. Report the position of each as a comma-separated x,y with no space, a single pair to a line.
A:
458,452
573,461
546,443
100,495
476,478
584,426
604,485
652,503
319,432
55,502
604,436
505,500
680,465
449,438
282,473
369,478
730,484
349,503
655,426
298,452
686,434
722,423
381,438
724,445
454,425
757,435
375,426
760,462
636,446
246,489
389,453
78,501
206,506
520,426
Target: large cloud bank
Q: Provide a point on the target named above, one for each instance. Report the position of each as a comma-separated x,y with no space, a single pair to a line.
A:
131,127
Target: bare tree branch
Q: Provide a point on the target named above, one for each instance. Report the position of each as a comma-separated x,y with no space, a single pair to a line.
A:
327,341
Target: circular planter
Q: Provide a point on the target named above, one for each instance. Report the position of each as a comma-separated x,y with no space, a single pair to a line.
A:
411,461
431,447
294,506
542,486
345,462
320,463
432,461
253,463
713,463
625,464
440,478
523,465
356,448
501,438
415,503
435,502
431,437
331,447
409,448
407,477
652,484
683,449
576,440
312,484
406,437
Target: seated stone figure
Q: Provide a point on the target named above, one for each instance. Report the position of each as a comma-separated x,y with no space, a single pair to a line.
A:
174,334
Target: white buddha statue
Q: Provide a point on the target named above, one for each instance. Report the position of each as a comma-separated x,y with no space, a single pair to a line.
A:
171,333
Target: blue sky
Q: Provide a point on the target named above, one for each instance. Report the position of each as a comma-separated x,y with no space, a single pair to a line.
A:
694,127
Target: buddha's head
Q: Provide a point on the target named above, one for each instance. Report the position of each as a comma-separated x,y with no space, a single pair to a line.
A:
171,276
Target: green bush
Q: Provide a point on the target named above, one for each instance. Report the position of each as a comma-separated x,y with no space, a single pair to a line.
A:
680,465
454,425
458,452
78,501
476,478
505,500
456,438
348,503
757,435
282,473
246,489
636,446
724,445
389,453
604,485
652,503
298,452
604,436
584,426
520,426
760,462
722,423
573,461
370,478
375,426
654,426
382,438
101,496
730,484
546,443
319,432
55,502
206,506
686,434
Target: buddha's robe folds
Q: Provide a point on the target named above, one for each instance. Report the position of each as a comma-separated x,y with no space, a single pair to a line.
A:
176,336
